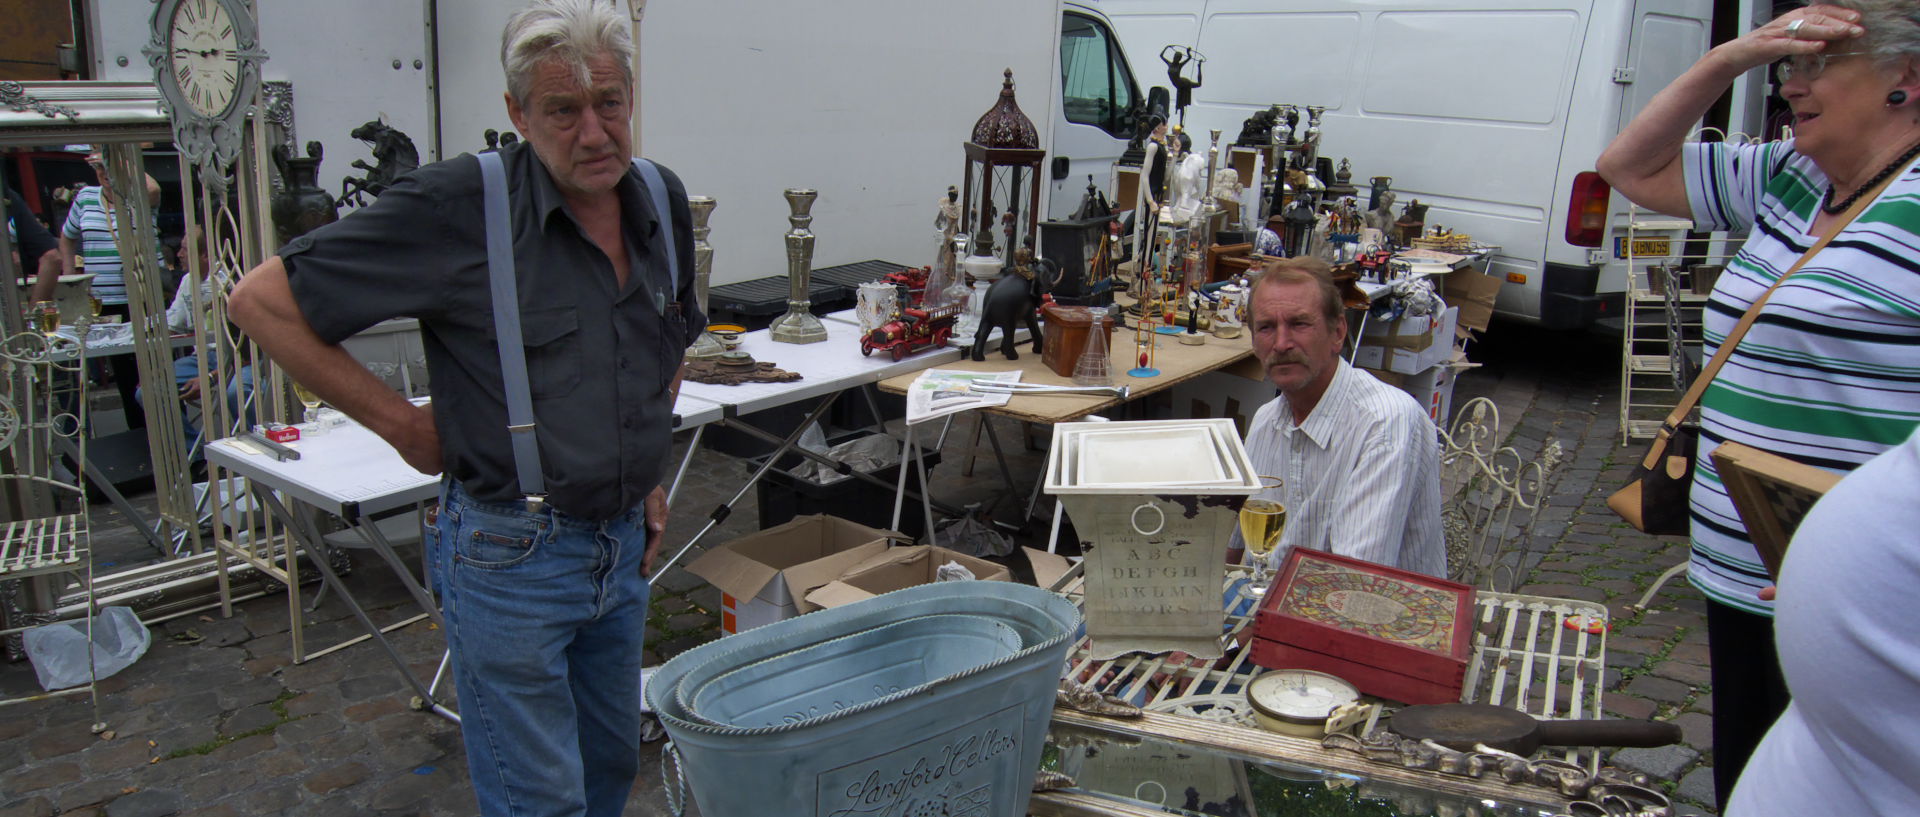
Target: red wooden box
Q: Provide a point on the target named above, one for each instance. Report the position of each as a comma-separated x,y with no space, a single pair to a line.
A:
1394,634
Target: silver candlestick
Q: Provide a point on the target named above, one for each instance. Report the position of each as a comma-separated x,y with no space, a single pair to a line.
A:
799,325
707,345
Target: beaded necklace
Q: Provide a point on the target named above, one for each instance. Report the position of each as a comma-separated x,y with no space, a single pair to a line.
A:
1827,206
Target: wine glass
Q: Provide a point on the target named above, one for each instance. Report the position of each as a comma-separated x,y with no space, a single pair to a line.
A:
312,403
47,316
1262,521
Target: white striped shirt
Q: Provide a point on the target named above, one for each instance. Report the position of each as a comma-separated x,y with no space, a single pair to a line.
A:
1362,474
1829,374
90,224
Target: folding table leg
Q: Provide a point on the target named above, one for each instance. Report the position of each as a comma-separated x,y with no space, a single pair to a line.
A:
725,509
302,526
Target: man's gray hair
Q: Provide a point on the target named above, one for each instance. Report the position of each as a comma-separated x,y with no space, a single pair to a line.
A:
572,31
1893,29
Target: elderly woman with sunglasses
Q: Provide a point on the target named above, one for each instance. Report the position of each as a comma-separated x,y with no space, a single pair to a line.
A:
1829,373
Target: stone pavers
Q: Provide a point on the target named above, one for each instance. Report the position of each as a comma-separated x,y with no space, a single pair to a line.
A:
216,720
1656,658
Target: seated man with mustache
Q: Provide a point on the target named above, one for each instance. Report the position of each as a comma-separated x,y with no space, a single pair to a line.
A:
1359,458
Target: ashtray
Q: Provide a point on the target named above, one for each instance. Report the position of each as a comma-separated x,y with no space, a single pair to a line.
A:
734,360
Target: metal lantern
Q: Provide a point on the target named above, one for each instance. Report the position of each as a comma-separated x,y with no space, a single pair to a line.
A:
1002,191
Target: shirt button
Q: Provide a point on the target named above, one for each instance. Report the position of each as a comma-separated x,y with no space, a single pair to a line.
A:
626,362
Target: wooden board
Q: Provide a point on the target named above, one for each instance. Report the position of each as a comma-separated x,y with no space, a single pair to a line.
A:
1772,494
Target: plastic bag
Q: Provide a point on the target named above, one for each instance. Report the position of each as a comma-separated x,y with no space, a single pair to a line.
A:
59,650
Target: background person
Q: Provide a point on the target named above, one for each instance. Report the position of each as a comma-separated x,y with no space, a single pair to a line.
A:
89,233
545,605
35,251
1360,459
1827,375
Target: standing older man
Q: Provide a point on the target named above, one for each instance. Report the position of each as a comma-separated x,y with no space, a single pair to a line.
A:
1359,458
545,602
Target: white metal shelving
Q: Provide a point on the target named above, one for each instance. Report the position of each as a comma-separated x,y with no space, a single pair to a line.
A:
1662,322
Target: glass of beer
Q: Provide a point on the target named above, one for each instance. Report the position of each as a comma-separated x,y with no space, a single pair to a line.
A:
46,316
1263,518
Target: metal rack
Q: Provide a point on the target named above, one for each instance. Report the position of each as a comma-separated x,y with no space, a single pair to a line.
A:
1662,330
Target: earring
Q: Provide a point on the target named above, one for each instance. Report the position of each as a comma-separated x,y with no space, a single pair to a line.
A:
1896,99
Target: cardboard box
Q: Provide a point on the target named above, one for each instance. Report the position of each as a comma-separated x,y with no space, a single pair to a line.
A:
1474,292
896,569
1410,345
765,577
1432,388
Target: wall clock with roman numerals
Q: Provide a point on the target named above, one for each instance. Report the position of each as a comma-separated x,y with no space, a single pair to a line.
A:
206,59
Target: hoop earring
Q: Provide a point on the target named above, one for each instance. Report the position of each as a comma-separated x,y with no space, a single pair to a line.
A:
1896,99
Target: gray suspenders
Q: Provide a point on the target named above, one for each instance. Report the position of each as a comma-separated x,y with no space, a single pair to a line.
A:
506,310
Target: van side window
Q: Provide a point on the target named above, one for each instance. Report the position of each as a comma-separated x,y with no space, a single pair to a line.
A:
1094,78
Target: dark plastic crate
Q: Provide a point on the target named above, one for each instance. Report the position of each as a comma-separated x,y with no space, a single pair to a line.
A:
754,304
782,496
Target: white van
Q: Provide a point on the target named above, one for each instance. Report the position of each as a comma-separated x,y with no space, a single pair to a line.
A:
1490,111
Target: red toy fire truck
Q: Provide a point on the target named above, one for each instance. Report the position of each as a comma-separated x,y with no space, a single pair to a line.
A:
913,330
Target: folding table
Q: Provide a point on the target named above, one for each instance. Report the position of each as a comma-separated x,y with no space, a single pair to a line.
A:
349,473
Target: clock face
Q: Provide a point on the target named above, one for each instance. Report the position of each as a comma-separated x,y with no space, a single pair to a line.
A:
1301,694
204,56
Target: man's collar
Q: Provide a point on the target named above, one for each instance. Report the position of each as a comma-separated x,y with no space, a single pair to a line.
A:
1320,422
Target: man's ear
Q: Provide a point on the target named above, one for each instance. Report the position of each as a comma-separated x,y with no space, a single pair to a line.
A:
514,113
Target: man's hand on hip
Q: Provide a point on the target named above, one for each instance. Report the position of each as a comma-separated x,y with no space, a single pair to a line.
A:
419,441
656,527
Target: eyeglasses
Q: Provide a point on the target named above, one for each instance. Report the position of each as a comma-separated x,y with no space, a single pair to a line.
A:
1808,66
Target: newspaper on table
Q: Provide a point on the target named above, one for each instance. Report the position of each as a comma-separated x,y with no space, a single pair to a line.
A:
940,392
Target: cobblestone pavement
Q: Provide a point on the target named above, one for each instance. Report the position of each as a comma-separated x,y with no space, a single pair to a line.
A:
216,720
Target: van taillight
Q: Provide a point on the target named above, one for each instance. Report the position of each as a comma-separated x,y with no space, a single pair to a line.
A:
1587,217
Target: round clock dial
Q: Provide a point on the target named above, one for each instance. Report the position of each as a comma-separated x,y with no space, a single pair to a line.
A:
1300,695
204,55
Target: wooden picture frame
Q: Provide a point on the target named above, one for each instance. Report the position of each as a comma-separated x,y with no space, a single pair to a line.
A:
1772,494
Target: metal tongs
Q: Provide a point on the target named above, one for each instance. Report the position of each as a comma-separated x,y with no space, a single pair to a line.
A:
1000,387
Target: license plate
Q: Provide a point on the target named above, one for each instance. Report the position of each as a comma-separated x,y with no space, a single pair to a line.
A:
1655,247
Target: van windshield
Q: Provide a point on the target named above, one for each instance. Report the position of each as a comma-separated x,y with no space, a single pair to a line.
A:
1093,76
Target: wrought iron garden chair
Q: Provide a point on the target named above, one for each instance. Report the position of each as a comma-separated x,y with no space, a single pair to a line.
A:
45,548
1491,497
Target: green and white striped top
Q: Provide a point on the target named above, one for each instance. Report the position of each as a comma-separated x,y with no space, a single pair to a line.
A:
91,223
1829,374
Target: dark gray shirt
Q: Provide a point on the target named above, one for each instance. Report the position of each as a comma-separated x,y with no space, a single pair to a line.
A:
600,359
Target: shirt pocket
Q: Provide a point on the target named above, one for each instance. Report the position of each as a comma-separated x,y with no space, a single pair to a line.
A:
552,341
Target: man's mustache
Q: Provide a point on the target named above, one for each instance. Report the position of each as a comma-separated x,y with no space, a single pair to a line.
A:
1278,358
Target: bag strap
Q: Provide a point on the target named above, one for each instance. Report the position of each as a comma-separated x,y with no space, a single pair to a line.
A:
657,191
1699,386
506,329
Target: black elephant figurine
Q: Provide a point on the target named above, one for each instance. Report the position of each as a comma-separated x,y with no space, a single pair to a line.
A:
1013,299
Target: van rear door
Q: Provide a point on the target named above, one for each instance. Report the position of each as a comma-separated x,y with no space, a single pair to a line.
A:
1667,37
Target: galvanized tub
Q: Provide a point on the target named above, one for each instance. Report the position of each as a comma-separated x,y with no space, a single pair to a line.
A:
815,680
963,744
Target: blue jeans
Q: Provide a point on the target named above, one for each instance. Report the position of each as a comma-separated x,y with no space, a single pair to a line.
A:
545,616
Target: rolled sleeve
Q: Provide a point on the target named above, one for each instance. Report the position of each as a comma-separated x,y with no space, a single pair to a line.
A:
1725,182
391,259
